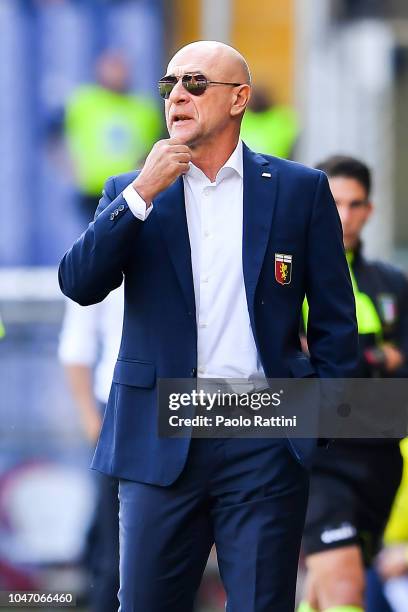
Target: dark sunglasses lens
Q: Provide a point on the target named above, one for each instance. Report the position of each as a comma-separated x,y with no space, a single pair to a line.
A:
195,84
166,87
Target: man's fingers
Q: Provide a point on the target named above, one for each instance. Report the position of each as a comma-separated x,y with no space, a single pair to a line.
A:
182,157
169,146
173,141
179,167
176,144
180,149
184,168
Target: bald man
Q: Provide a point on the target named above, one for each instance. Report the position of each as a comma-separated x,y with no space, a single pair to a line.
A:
218,246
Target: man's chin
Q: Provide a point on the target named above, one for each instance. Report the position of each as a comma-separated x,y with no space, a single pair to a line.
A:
185,135
350,244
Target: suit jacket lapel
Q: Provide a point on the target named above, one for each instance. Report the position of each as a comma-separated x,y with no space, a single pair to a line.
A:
260,193
170,209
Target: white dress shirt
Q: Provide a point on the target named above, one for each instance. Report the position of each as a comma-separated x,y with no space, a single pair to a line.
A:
225,345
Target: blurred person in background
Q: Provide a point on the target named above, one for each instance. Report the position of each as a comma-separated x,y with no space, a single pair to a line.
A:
269,127
387,585
108,129
88,347
354,481
201,302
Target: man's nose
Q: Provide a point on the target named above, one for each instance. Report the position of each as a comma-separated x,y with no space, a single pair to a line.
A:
178,93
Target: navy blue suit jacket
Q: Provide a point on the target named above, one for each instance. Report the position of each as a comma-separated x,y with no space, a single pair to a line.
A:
291,212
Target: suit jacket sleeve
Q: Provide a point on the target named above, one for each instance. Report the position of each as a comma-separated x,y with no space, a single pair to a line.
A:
332,329
93,267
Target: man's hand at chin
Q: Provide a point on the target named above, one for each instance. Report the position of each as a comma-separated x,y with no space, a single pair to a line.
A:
167,160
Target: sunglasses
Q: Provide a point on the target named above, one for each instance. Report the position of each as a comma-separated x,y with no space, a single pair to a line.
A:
195,84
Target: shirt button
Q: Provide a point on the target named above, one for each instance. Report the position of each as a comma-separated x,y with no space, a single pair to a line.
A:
206,192
206,234
203,325
204,280
201,370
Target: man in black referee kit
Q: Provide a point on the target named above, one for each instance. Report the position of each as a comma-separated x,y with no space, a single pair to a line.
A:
353,482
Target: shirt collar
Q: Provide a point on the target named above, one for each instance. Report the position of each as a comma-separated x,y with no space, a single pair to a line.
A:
234,162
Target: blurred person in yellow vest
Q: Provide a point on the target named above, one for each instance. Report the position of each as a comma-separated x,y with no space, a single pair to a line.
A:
396,532
388,585
268,127
108,129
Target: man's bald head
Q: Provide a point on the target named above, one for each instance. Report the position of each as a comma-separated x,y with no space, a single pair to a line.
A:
225,61
208,121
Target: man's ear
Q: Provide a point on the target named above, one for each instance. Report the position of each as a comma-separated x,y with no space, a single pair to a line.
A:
240,100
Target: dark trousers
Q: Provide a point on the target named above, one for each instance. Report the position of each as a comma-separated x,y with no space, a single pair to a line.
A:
105,553
248,496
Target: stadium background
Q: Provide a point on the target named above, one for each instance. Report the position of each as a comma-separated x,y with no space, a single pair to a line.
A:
342,64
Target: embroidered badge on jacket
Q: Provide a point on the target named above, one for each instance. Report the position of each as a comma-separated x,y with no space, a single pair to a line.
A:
283,268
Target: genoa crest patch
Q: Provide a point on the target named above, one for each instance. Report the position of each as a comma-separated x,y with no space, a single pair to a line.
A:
283,268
